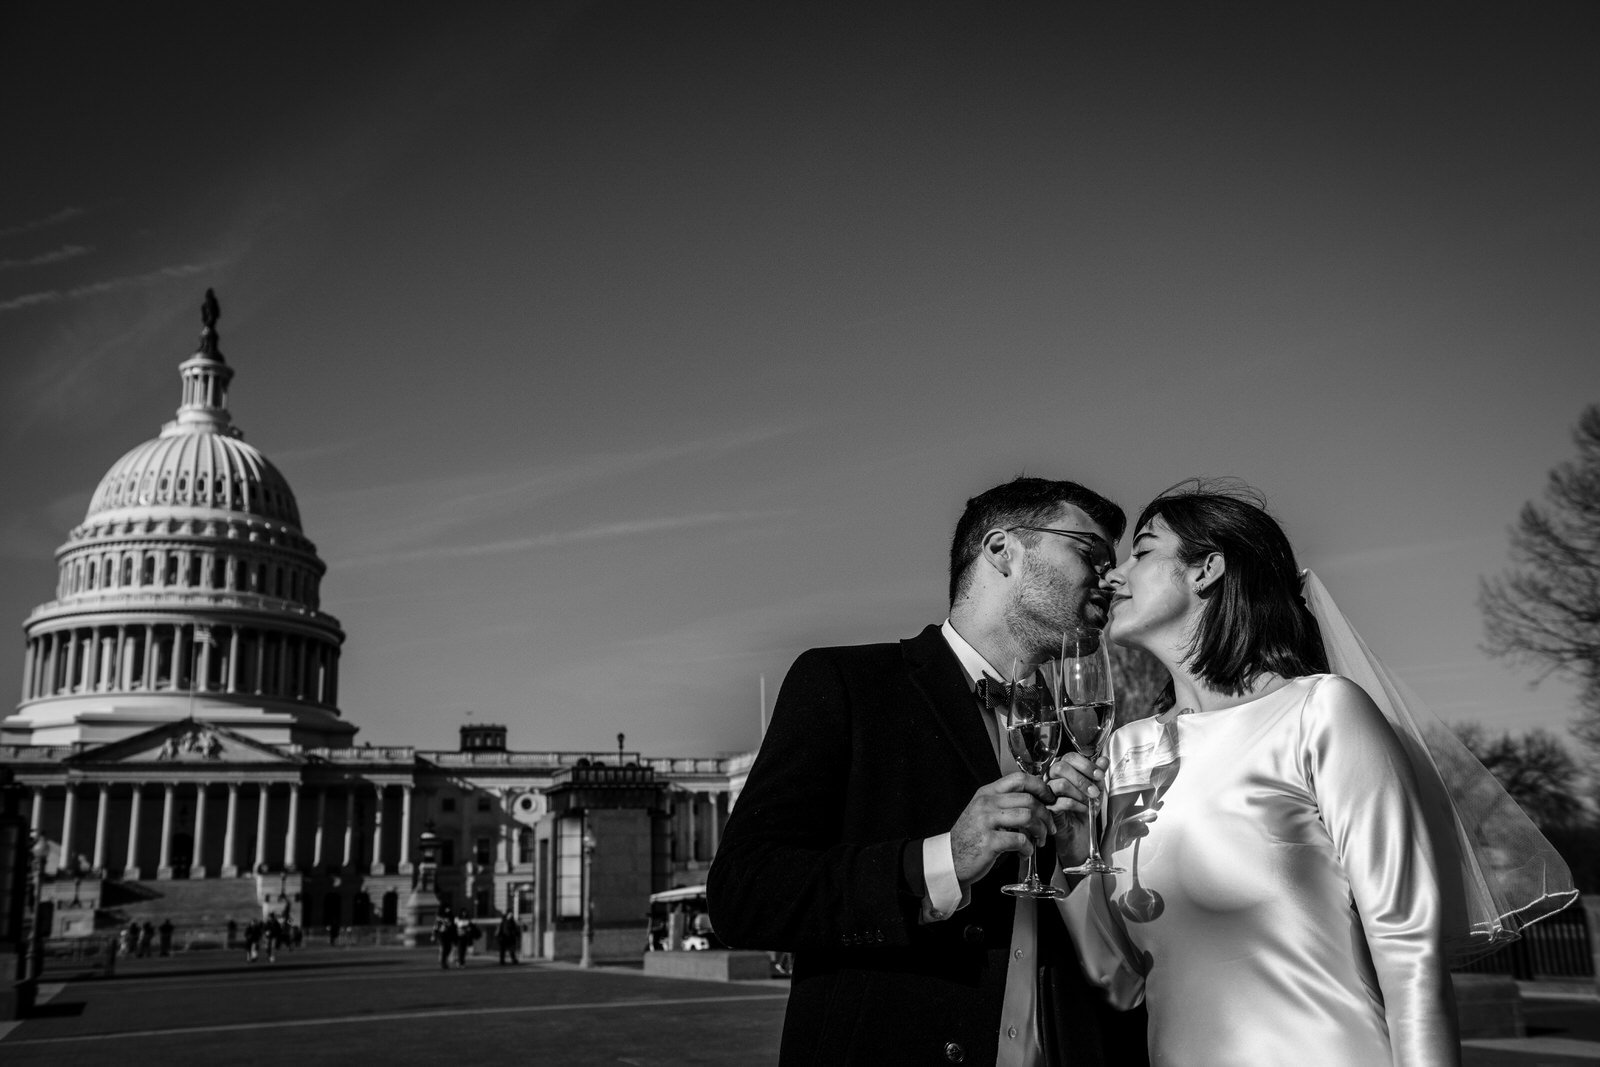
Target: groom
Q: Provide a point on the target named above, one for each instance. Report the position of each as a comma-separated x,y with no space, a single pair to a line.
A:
882,815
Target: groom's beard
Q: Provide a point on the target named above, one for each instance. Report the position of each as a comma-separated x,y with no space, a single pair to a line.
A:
1046,605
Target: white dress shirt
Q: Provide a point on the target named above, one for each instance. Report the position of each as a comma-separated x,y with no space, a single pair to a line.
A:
1019,1032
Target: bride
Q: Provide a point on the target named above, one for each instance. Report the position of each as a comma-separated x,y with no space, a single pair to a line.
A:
1294,879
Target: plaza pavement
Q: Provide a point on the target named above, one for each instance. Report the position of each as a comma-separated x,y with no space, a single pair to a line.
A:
395,1007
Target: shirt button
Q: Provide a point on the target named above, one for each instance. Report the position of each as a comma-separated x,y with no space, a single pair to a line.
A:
972,935
954,1052
1019,953
1011,1032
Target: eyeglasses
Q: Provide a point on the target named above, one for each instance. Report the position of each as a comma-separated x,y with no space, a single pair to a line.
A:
1100,557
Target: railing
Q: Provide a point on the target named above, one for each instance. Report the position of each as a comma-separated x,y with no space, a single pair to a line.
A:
1557,947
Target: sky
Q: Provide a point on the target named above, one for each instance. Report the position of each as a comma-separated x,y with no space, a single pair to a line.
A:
619,352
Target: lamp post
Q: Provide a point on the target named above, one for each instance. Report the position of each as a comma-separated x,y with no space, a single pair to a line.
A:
40,852
587,959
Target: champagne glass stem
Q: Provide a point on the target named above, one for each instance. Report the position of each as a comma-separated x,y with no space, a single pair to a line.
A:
1094,831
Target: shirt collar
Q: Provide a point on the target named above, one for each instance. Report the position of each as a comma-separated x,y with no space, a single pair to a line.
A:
971,662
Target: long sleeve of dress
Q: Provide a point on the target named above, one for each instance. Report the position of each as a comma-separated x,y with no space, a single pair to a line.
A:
1367,799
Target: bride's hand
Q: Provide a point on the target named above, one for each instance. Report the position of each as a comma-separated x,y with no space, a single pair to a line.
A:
1074,779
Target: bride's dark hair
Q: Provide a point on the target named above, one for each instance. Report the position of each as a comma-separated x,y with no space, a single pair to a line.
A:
1255,620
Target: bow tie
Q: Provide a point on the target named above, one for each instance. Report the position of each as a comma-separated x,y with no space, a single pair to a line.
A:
994,695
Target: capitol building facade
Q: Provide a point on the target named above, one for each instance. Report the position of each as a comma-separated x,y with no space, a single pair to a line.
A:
180,751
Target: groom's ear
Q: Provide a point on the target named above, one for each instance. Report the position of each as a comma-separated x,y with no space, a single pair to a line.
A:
997,552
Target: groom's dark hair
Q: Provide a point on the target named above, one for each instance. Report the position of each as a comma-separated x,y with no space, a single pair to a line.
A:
1255,620
1023,501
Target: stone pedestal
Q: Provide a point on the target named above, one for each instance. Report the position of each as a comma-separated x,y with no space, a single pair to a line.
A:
1488,1005
714,966
421,912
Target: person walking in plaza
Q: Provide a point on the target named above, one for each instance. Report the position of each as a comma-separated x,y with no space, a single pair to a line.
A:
466,933
506,935
444,935
165,932
147,936
271,935
130,939
881,817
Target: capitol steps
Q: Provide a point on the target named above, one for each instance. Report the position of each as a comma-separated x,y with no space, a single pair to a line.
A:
197,908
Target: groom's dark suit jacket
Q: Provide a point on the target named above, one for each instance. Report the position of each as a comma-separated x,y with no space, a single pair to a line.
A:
871,749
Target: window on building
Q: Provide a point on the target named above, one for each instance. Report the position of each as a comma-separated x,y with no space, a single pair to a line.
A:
447,853
147,574
483,904
524,845
127,571
172,569
485,803
447,804
569,869
483,851
91,574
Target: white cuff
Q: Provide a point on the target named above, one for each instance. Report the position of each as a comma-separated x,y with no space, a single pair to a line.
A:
945,895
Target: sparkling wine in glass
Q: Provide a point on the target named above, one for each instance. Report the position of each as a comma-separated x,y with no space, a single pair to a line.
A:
1034,732
1088,713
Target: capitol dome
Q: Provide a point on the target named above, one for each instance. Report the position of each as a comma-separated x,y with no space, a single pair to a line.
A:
189,590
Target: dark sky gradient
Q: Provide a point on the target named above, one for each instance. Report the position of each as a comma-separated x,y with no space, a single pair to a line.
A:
619,352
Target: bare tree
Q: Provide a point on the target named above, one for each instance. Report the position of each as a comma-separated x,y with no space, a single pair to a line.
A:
1536,769
1546,610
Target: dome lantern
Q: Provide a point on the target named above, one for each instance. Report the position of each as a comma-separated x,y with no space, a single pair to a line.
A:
205,381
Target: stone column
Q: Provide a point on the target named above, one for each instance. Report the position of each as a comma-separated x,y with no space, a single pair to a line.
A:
291,838
283,666
377,832
202,672
72,662
69,819
230,835
147,680
261,828
180,655
27,672
100,826
405,829
107,660
233,659
121,668
322,819
349,827
716,820
38,809
694,836
135,810
197,862
164,862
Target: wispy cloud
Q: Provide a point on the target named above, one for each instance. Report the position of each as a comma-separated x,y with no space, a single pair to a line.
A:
587,534
66,214
44,259
113,285
419,513
1388,555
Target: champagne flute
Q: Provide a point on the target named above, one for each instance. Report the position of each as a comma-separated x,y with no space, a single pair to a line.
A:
1087,716
1033,732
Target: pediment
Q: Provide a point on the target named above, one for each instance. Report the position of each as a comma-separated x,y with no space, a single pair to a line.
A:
189,742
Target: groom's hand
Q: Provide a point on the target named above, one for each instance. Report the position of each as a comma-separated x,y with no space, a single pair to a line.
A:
1009,815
